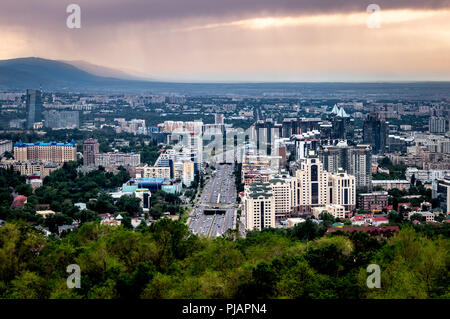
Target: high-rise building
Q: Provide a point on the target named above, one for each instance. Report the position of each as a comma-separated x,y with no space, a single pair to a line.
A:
90,149
281,186
312,185
438,125
342,190
259,207
375,132
34,107
266,132
342,124
46,152
355,160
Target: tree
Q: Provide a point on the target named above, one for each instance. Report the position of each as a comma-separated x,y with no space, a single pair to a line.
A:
327,218
24,189
413,179
306,231
129,204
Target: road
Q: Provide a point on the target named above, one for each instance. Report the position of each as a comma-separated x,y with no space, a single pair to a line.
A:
219,194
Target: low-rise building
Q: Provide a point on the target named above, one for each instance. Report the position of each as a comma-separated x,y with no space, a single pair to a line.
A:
380,220
337,211
373,202
117,159
152,171
391,184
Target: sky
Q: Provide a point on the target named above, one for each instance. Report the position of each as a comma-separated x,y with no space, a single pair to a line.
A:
239,40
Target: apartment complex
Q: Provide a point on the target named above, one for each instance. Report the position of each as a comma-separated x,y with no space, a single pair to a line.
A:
438,125
259,207
311,187
43,169
355,160
373,202
145,171
45,152
117,159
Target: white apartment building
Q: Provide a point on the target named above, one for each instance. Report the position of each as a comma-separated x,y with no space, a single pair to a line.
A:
259,210
284,200
312,185
343,190
426,175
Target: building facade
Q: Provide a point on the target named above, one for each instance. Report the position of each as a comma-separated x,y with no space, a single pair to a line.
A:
153,172
117,159
5,146
375,132
373,202
34,107
90,149
45,152
259,207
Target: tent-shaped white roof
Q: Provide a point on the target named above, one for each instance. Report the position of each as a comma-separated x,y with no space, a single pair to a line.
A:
335,110
342,113
119,217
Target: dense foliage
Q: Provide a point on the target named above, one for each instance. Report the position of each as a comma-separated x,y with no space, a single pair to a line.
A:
165,260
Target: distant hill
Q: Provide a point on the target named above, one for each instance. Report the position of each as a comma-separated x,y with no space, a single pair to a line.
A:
33,72
79,76
102,71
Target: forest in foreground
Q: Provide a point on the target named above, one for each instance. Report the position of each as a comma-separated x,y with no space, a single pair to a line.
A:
165,260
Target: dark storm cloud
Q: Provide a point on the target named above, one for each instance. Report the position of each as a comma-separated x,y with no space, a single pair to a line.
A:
106,12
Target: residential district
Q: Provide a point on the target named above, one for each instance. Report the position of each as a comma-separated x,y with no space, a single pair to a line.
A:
225,164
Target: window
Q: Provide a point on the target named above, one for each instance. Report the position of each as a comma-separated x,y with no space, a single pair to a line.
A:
314,173
314,193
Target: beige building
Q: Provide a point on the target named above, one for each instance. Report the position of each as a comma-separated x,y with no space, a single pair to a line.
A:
31,167
281,188
311,191
184,170
45,152
259,207
152,171
338,211
343,190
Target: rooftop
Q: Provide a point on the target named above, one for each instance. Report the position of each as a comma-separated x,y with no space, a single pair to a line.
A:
21,144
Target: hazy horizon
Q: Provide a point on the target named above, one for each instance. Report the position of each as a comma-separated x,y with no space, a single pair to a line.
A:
238,41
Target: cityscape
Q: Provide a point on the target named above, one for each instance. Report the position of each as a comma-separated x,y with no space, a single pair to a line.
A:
115,185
